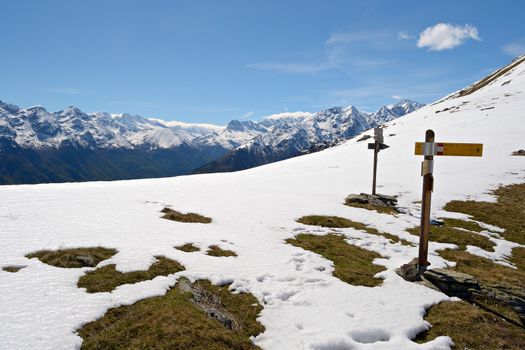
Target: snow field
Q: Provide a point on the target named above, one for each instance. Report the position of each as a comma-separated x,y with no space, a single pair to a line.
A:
254,211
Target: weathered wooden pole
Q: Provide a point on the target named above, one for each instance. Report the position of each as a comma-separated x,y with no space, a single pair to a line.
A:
378,142
376,151
428,186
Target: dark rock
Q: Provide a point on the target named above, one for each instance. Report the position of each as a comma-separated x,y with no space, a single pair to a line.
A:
364,137
453,283
410,271
520,152
378,200
514,299
210,304
86,260
435,222
464,286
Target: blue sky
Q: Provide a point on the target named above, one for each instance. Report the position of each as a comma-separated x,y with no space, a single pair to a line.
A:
213,61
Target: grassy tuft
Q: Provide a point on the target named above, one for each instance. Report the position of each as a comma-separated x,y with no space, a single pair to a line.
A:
107,278
448,233
471,328
215,250
518,258
188,247
73,258
174,321
174,215
12,268
339,222
508,212
352,264
331,221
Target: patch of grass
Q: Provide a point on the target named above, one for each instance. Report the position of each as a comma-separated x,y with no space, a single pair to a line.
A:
107,278
466,225
352,264
485,270
518,257
339,222
73,258
471,328
174,321
508,212
331,221
369,206
188,247
448,233
174,215
12,268
215,250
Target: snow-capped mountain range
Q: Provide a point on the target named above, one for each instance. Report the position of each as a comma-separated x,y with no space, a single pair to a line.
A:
35,127
202,146
299,133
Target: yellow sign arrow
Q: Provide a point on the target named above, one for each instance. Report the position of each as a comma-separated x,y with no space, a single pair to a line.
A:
449,149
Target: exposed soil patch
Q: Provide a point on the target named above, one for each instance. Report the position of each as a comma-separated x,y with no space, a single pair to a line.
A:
73,258
215,250
107,278
352,264
188,247
471,327
13,268
174,215
181,319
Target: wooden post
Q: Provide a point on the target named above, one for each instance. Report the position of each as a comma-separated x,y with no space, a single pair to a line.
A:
376,151
428,186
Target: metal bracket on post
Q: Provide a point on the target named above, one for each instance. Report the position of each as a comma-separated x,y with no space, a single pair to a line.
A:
427,167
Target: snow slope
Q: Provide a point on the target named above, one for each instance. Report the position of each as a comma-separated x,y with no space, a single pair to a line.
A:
254,211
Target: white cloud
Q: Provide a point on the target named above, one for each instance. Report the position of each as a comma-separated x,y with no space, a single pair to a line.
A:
515,48
352,37
246,115
65,90
444,36
396,97
289,115
404,36
295,68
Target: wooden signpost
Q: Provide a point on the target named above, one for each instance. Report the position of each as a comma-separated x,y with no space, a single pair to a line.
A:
377,146
429,149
